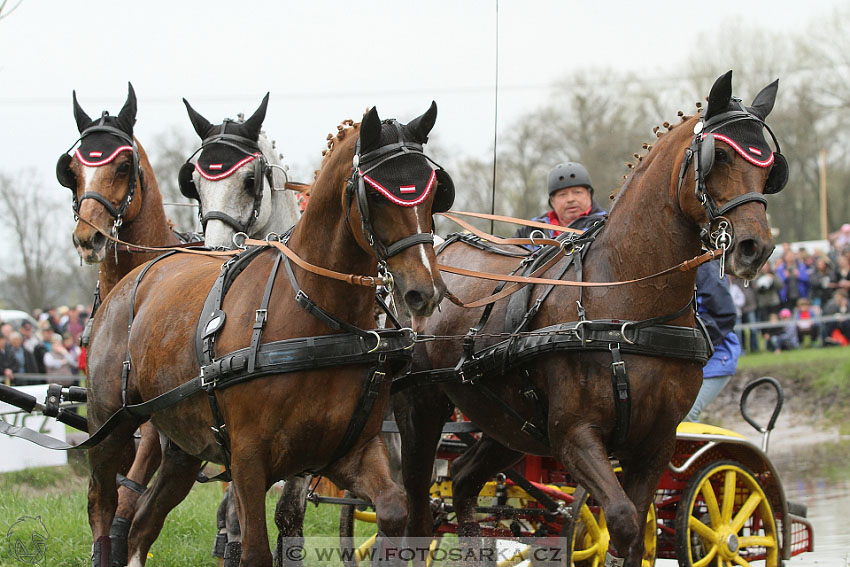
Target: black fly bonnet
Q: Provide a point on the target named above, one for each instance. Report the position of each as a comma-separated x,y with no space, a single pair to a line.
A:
742,128
221,155
401,173
100,143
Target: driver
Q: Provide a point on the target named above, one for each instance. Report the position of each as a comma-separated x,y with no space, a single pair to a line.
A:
571,201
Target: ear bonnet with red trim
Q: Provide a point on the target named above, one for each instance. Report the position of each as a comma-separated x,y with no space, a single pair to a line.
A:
743,128
407,179
99,146
226,147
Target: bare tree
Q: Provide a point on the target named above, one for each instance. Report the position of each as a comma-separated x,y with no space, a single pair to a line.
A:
6,11
31,223
169,152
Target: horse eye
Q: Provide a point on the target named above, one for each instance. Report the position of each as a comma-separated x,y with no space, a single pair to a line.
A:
720,155
249,182
123,167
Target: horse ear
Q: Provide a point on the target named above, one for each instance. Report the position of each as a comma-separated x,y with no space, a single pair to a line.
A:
201,124
83,120
127,116
255,123
763,103
720,95
421,126
370,131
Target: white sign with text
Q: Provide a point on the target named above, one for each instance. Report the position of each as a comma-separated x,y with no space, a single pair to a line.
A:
18,454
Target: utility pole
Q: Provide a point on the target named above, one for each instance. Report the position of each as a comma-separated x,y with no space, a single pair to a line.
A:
824,231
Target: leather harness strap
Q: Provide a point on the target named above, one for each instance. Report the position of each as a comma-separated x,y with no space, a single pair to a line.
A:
525,280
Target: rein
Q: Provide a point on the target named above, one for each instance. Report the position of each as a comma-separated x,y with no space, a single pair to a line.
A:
375,281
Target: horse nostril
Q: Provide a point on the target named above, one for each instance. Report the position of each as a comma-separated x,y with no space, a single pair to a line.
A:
416,300
98,241
748,248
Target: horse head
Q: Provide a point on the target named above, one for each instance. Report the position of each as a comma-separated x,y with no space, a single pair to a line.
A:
733,166
105,174
234,180
391,190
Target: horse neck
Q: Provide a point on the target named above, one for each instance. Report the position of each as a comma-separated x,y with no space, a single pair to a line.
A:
647,232
284,205
149,227
323,237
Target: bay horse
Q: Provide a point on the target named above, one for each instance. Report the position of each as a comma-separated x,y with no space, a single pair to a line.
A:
701,183
115,192
239,181
346,227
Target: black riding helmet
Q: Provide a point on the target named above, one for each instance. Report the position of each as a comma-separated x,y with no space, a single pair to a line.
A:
568,174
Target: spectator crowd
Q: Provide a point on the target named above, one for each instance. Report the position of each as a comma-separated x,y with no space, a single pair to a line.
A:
49,347
801,297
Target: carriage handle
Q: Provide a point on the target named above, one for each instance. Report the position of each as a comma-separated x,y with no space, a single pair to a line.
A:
765,431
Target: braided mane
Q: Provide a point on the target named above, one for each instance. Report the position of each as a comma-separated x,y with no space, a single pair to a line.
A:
648,147
343,128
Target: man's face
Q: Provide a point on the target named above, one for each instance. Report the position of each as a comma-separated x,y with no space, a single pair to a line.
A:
16,342
570,202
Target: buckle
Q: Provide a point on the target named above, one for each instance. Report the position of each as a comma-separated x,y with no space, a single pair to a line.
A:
207,383
377,344
260,316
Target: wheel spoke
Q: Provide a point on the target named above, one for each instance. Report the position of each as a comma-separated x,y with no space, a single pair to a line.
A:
707,559
766,541
360,552
705,532
707,491
590,523
729,482
746,511
584,554
741,561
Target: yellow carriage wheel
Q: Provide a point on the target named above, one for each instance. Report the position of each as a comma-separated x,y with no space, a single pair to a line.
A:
725,519
589,538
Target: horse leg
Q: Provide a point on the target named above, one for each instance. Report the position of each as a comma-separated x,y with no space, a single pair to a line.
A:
289,518
177,475
111,456
148,456
641,475
229,534
420,414
581,450
250,481
366,472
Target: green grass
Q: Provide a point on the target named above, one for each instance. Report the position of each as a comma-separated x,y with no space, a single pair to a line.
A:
58,496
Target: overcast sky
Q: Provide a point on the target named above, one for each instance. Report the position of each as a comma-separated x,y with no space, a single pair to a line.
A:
324,61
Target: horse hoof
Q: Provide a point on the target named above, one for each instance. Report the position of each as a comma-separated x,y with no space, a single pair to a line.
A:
220,545
232,553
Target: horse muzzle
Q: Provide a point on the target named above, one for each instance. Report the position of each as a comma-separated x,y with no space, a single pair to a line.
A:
748,256
91,248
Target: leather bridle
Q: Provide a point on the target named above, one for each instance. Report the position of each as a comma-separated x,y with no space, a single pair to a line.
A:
362,164
120,211
717,233
262,170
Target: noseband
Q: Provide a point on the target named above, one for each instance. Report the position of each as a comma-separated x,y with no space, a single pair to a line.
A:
362,165
262,169
716,234
118,212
